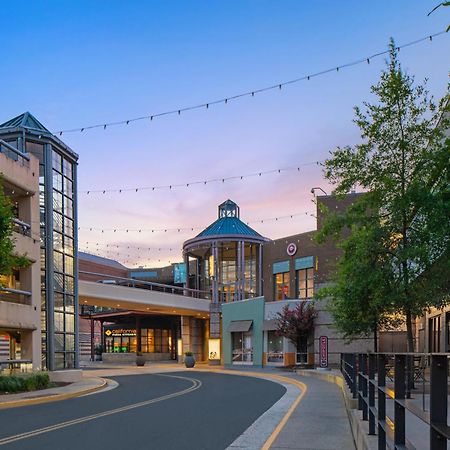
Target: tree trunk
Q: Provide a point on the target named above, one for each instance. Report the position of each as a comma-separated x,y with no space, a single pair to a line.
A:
409,333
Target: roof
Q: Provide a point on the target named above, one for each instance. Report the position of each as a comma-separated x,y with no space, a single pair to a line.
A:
228,225
25,120
100,260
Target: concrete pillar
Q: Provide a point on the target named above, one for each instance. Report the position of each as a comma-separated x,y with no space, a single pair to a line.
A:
30,342
186,334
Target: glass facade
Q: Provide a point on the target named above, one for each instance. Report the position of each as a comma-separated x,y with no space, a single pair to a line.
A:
274,348
153,340
281,285
242,347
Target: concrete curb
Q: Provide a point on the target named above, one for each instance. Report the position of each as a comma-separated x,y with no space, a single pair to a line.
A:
52,398
360,434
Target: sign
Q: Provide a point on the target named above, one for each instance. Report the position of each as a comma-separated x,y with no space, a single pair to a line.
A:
120,332
179,273
291,249
323,351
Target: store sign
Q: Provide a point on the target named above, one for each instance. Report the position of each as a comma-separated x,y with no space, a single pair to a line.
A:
179,273
323,351
121,332
291,249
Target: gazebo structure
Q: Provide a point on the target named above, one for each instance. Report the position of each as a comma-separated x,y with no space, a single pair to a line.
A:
225,259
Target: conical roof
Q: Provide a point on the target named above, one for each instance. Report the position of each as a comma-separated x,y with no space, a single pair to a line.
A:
25,120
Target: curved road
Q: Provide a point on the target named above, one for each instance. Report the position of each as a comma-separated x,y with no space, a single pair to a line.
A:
182,410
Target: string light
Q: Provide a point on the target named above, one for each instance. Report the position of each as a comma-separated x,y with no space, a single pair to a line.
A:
259,173
193,228
251,93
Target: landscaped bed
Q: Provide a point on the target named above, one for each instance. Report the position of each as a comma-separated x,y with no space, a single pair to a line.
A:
24,382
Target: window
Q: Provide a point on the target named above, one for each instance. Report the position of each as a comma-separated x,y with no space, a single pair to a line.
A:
281,282
305,283
434,334
242,347
274,348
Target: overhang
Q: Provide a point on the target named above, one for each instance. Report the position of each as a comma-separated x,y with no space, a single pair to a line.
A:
239,325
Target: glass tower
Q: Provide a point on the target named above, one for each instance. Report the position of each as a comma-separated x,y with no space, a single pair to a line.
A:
58,225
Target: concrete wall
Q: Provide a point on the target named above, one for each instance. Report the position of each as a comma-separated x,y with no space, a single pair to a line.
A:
252,309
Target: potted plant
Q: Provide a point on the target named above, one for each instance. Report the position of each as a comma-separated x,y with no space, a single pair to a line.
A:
189,360
98,350
140,360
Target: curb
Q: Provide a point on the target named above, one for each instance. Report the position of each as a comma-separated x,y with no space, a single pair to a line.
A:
51,398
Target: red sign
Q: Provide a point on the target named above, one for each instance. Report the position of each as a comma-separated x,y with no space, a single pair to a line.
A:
323,351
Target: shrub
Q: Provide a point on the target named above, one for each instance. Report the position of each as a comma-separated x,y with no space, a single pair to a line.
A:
27,382
188,354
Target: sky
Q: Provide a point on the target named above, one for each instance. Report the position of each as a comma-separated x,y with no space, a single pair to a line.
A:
77,63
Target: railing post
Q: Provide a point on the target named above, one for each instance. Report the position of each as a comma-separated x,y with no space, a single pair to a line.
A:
438,401
371,402
364,387
400,391
353,374
381,402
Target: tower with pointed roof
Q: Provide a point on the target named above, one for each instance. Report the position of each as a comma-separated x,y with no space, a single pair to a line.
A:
58,226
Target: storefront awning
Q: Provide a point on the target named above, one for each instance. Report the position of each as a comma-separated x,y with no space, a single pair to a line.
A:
270,325
240,325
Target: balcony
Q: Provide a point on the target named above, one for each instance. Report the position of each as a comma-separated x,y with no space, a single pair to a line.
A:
14,154
21,227
15,296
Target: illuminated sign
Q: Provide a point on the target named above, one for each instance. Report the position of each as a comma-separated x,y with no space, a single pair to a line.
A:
214,349
120,332
179,273
323,351
291,249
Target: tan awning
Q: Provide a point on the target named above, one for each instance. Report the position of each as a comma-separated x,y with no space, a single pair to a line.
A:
240,325
270,325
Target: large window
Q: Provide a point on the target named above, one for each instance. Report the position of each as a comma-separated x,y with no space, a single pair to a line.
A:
305,283
274,348
435,334
281,283
242,347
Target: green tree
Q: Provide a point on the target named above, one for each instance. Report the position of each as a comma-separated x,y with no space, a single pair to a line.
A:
403,163
438,6
9,260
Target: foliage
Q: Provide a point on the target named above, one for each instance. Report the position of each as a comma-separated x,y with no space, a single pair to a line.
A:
8,259
98,349
296,323
28,382
438,6
403,166
188,354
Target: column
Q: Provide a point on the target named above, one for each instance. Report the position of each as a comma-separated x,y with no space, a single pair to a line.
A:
186,333
92,337
138,334
260,271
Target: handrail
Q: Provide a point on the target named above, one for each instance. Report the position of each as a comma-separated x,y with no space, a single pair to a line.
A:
12,149
15,291
134,281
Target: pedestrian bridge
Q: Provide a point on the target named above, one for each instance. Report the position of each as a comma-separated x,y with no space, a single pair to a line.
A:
135,295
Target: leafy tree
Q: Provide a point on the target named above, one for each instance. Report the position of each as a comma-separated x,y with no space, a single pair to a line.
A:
8,259
403,164
438,6
295,324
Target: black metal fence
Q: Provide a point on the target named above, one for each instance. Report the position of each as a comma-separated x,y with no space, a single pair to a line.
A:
378,378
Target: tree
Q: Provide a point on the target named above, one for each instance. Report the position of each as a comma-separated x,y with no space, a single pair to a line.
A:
9,260
295,324
438,6
403,166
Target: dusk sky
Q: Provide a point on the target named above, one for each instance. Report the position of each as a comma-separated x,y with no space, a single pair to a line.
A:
79,63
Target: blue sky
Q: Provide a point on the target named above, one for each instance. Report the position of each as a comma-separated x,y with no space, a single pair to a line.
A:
79,63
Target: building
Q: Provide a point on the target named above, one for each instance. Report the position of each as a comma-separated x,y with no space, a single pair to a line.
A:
20,299
57,212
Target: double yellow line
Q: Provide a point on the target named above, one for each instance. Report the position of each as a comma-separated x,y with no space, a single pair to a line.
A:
196,384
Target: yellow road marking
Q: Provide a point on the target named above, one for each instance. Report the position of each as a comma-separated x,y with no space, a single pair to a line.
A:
196,384
303,388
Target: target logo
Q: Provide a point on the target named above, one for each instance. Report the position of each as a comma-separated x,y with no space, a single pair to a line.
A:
291,249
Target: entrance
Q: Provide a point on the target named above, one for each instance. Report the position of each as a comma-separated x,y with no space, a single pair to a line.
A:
242,347
302,350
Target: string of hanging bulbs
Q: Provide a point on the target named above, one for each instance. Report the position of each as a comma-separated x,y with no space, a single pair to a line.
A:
251,93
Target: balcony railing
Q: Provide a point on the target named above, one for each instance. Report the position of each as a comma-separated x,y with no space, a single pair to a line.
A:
14,154
384,384
15,296
21,227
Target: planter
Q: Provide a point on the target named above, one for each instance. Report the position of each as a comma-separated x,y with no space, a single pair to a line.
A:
140,360
98,357
189,361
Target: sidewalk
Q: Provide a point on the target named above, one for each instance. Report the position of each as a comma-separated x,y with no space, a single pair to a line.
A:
320,421
87,385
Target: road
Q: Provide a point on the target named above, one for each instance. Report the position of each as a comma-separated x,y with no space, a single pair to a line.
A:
181,410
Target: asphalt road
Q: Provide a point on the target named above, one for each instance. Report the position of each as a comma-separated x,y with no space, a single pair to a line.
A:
153,411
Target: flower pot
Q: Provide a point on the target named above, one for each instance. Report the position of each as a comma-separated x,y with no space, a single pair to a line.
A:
189,361
140,360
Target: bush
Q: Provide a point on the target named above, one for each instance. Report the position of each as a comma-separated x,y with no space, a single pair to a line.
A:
27,382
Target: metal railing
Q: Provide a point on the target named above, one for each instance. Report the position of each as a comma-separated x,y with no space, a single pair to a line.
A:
15,296
21,227
14,154
368,378
149,285
15,365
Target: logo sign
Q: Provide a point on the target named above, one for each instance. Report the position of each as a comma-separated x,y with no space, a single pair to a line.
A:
121,332
323,351
179,273
291,249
